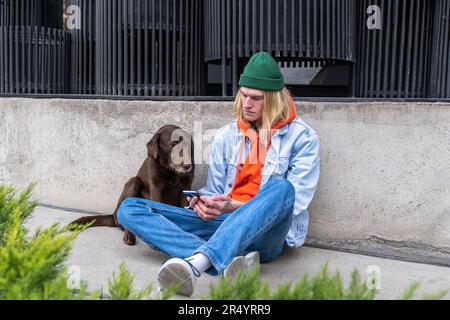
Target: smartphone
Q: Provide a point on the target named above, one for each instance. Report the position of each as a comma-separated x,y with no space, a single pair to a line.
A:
191,193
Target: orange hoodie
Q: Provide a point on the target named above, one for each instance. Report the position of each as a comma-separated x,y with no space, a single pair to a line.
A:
248,177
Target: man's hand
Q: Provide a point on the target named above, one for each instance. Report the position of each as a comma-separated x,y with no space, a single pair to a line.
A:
192,201
209,208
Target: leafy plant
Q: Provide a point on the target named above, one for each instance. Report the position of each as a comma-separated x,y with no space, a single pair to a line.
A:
21,206
120,287
411,291
246,286
32,267
321,287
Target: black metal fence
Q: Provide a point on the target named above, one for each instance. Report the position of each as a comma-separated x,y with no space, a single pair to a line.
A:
38,13
149,47
83,48
394,61
33,60
33,55
302,31
440,61
156,47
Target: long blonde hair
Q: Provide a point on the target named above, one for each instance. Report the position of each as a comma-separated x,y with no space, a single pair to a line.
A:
276,106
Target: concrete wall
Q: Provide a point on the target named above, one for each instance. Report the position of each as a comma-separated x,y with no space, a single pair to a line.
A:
385,170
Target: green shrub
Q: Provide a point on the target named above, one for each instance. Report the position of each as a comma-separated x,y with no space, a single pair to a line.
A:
246,286
323,286
410,292
32,267
121,287
12,208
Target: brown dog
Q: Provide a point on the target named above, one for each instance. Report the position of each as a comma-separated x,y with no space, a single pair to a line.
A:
165,173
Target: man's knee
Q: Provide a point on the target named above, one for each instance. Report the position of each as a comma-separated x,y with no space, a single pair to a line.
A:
285,188
127,209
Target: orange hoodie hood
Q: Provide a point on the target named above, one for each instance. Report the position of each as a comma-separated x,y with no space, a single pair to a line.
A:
249,174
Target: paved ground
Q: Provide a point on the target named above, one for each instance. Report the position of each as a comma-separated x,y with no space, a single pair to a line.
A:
99,251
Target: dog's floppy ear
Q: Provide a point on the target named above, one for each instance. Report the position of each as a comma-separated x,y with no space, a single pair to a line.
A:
153,146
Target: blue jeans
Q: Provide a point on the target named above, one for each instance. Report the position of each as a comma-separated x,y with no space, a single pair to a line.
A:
259,225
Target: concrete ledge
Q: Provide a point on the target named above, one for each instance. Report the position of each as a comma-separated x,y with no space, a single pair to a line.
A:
385,170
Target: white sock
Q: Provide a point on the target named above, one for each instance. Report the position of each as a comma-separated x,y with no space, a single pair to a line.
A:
200,261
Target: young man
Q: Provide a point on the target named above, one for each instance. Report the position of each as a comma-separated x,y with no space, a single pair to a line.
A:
262,176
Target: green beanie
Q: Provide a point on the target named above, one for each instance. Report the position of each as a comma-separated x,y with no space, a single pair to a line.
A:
262,72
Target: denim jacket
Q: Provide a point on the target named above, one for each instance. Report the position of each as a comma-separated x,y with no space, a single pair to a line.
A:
293,155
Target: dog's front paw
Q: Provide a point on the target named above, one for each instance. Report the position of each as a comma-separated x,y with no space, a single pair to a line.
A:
129,238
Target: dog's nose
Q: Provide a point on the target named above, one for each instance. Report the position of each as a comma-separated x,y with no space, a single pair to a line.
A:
187,167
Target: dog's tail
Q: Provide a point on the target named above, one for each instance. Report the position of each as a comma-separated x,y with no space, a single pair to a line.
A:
106,220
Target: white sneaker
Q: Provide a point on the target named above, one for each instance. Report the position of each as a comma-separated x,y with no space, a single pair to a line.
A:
178,271
252,260
241,263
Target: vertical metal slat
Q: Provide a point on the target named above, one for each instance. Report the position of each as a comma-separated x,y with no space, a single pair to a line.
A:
126,62
186,47
407,72
417,44
115,32
444,91
2,58
132,29
223,45
285,32
120,46
166,58
447,43
247,28
153,44
174,46
233,46
240,31
394,49
387,26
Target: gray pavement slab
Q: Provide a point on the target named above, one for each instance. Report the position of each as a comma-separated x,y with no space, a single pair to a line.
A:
98,252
